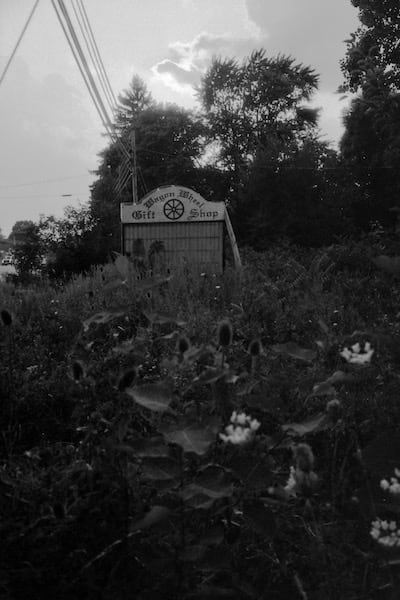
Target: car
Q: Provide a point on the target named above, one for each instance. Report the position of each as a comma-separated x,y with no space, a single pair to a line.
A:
7,260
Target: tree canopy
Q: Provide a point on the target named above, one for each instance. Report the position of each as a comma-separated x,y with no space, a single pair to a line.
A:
247,105
371,69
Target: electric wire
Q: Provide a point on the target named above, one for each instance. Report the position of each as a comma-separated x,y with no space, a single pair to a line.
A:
18,42
97,53
89,45
78,63
83,66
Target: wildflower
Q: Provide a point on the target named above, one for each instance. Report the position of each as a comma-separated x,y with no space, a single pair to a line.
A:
300,481
386,533
225,333
304,457
241,429
302,478
333,409
392,486
356,355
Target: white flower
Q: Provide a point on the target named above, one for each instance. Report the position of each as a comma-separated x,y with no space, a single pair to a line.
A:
241,429
386,534
393,486
356,355
291,483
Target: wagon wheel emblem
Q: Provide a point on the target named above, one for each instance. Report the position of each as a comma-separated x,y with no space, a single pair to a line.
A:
173,209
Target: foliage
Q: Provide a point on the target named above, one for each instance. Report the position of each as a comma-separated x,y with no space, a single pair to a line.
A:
248,107
131,103
71,244
371,141
27,247
117,482
168,142
302,198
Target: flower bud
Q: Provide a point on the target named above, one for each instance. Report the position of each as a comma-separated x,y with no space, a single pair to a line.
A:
255,348
183,344
77,370
225,333
304,457
6,318
126,379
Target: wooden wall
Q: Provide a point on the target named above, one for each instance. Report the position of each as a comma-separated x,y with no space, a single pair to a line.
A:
197,245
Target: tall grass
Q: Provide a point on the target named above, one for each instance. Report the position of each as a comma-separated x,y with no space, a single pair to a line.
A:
189,435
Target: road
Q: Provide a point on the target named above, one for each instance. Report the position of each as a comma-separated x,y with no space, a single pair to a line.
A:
4,269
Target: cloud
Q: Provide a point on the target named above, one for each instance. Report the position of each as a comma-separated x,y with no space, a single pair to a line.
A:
187,61
311,31
333,107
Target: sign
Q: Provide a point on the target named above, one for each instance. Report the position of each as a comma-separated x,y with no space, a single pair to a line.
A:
172,204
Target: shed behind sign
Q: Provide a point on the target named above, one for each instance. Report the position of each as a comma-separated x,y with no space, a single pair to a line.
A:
173,226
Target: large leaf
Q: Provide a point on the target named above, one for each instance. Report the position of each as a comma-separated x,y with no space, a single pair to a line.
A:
160,318
160,468
101,318
155,515
192,435
325,388
149,447
213,482
254,473
212,374
295,351
153,396
314,424
390,264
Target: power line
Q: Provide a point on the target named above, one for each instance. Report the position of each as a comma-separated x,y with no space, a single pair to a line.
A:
97,54
90,48
80,61
18,42
83,66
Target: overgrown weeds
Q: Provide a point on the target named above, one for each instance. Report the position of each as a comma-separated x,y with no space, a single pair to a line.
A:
199,436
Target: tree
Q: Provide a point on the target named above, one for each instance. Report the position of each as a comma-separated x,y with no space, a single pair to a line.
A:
168,143
371,142
253,106
28,248
132,102
71,244
301,198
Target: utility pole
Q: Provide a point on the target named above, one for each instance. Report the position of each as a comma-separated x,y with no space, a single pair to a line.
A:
134,167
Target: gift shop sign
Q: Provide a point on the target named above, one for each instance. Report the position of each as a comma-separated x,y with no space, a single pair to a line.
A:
172,204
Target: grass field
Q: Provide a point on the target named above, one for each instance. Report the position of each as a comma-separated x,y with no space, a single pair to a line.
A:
197,436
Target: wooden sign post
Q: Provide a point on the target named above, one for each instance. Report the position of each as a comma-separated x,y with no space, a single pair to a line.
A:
173,226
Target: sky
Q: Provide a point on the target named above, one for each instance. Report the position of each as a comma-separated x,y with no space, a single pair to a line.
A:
50,132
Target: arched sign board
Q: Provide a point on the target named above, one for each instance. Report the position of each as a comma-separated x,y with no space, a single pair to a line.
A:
173,226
